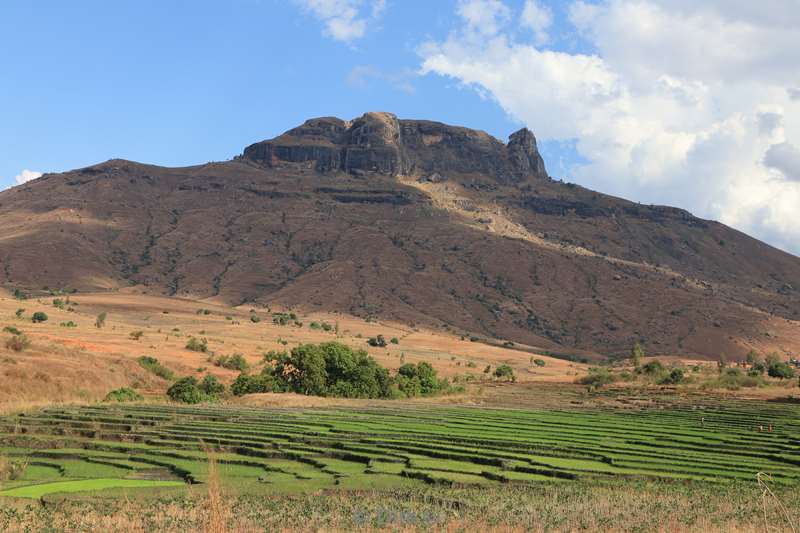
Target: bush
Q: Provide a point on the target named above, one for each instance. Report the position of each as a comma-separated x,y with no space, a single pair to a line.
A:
100,321
12,330
395,340
255,319
69,324
211,386
233,362
377,342
18,313
136,335
326,326
125,394
186,390
59,303
781,370
18,343
539,362
504,372
247,384
597,377
420,380
39,316
195,345
673,378
315,325
153,365
652,368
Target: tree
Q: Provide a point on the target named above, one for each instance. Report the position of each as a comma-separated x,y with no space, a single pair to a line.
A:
637,352
781,370
39,316
504,372
186,390
18,343
195,345
100,321
751,357
211,386
377,342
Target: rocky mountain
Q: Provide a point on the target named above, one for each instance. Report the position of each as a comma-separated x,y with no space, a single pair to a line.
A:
414,221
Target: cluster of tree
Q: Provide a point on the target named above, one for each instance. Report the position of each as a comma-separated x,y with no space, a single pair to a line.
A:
772,365
189,390
334,369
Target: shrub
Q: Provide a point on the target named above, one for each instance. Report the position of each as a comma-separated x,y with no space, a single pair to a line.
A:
652,368
377,342
395,340
18,343
211,386
195,345
637,352
136,335
69,324
673,378
186,390
19,295
203,311
39,316
504,372
100,321
125,394
781,370
18,313
247,384
758,369
59,303
420,380
154,365
596,378
315,325
233,362
326,326
12,330
539,362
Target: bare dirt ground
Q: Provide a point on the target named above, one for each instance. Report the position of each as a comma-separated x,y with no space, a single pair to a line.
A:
84,363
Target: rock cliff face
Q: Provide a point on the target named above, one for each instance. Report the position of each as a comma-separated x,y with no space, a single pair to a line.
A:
380,143
414,221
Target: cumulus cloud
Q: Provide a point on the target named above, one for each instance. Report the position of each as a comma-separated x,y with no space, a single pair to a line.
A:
344,20
26,176
681,102
538,18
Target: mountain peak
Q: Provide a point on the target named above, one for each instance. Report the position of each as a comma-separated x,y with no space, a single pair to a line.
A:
379,142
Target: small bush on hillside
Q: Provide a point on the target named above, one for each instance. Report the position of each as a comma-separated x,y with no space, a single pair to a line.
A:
673,378
19,295
39,316
283,319
597,377
504,372
100,321
59,303
154,365
394,340
315,325
125,394
653,368
18,343
758,369
247,384
326,326
69,324
781,370
196,345
734,379
232,362
539,362
420,380
377,342
255,319
203,311
185,390
136,335
211,386
18,313
12,330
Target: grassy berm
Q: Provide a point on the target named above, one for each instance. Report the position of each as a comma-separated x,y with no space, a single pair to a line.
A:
146,467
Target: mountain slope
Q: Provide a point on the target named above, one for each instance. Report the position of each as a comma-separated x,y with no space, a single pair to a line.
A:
410,220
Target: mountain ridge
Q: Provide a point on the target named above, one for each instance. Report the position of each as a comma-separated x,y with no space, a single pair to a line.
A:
415,221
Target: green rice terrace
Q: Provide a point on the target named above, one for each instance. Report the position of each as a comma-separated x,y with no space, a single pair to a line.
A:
166,448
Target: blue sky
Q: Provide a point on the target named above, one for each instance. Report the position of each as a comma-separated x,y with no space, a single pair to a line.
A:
638,98
179,83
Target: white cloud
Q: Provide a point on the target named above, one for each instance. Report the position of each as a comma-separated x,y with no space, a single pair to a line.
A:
538,18
683,102
345,20
483,17
26,176
785,158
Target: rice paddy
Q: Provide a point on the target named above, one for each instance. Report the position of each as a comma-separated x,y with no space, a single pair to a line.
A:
166,447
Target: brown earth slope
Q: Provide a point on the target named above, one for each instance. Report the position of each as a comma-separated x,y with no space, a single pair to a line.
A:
412,221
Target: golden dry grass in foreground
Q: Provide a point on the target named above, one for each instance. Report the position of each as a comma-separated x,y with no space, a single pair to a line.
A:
619,506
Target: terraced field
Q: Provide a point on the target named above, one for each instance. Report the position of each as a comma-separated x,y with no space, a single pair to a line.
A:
165,448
